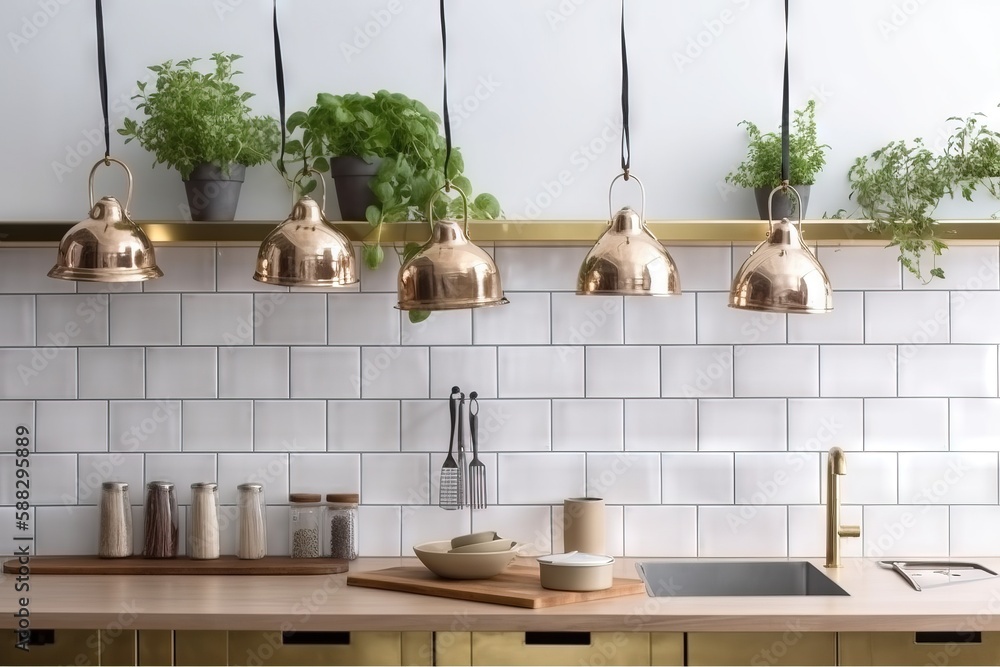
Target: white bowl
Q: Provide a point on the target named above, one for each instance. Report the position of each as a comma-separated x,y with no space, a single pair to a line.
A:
474,538
482,565
481,547
575,571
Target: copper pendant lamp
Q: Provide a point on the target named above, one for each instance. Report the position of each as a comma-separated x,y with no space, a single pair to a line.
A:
782,275
107,246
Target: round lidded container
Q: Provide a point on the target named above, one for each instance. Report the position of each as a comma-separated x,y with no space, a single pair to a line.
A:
305,525
341,537
576,571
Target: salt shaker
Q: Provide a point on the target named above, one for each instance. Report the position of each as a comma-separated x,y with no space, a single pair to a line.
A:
115,539
160,526
341,539
203,524
252,522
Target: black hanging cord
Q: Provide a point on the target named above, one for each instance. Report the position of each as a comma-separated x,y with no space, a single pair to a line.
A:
279,73
626,146
785,159
447,118
102,73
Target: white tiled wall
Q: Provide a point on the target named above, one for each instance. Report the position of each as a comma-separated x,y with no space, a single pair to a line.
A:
704,428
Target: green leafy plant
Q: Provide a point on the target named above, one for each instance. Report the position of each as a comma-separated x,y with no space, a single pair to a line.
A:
974,152
195,117
406,134
761,168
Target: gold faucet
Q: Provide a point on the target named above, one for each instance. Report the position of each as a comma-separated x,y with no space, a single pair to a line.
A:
836,467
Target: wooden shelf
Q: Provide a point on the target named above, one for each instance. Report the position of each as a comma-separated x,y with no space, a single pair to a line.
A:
549,232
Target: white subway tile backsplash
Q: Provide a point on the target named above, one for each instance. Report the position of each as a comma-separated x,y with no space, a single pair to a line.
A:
269,469
71,319
253,372
675,536
697,478
95,469
845,324
72,426
973,424
905,531
870,479
53,476
362,319
948,370
382,279
383,527
861,267
746,531
277,529
325,372
623,372
395,372
948,478
218,319
661,425
857,370
181,372
816,424
184,270
587,425
906,424
424,426
112,372
718,324
187,469
529,525
776,370
702,371
539,269
971,533
445,327
144,426
966,268
587,320
807,536
526,320
36,373
24,271
514,426
541,478
17,320
363,426
324,473
622,478
742,424
292,319
292,426
660,321
217,426
67,531
540,372
235,269
788,478
145,319
470,368
395,479
14,414
703,268
906,317
975,317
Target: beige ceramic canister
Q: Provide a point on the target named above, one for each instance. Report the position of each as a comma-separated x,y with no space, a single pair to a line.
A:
583,525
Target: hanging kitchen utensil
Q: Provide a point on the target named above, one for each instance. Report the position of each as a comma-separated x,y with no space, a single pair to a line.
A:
448,486
782,275
477,469
463,480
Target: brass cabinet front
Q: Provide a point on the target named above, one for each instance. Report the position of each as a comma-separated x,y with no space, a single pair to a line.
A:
321,648
558,648
117,647
920,648
201,647
760,649
52,647
155,647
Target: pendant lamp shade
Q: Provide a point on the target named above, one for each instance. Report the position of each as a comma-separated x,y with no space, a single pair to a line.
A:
449,271
108,246
782,275
306,250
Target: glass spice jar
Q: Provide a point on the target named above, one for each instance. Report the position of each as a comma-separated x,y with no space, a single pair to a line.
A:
341,537
203,521
305,525
160,521
252,520
115,537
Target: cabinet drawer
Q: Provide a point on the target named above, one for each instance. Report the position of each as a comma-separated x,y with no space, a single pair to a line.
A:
560,648
316,648
920,648
52,647
792,647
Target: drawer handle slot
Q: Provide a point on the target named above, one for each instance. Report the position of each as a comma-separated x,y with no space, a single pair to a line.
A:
41,637
557,638
948,638
316,638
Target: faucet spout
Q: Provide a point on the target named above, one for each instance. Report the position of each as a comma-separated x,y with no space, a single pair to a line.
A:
835,469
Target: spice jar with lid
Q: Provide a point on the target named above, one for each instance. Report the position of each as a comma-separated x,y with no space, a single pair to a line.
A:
160,521
252,520
341,537
115,537
203,523
305,525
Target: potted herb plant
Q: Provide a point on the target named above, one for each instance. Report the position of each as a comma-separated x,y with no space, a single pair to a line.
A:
761,169
199,124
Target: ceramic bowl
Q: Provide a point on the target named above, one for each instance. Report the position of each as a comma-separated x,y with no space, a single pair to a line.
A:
474,538
576,571
482,565
484,547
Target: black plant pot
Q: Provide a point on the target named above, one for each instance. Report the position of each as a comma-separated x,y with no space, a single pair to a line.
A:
783,205
352,177
212,195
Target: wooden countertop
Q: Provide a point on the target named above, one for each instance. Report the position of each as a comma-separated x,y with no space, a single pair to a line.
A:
879,601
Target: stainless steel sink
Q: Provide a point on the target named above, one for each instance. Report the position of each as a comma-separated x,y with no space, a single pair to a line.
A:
665,579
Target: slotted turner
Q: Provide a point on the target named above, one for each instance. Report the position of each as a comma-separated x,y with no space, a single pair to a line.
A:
448,488
477,469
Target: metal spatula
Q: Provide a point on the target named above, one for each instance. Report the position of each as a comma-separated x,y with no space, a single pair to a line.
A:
477,469
449,485
463,494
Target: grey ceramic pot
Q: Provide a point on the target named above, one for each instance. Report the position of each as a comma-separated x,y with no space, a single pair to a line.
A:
783,205
212,195
352,177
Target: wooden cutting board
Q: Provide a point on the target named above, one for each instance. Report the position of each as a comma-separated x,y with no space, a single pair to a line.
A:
517,586
282,565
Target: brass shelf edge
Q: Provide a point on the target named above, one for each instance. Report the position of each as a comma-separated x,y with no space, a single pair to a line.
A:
548,232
